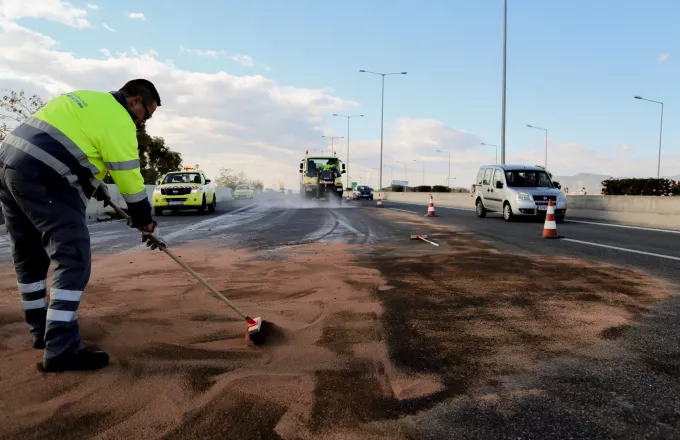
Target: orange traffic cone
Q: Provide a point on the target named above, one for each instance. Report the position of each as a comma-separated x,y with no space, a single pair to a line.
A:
379,201
550,227
430,209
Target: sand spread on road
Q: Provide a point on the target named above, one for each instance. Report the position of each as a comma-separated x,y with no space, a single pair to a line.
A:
372,334
181,366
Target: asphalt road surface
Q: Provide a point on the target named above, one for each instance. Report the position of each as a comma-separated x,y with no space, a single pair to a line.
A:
634,393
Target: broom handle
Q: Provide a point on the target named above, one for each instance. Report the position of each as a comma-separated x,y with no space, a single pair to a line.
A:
122,213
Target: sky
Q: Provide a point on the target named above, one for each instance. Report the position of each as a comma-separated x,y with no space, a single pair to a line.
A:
251,85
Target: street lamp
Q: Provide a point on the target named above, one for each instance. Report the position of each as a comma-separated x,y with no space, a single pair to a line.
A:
448,178
391,174
546,143
405,179
333,138
658,167
416,160
382,112
348,118
492,145
505,37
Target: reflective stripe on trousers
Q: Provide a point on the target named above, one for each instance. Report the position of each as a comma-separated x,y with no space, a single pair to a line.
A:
48,224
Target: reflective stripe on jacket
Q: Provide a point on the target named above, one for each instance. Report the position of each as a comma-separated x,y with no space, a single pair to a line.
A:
80,136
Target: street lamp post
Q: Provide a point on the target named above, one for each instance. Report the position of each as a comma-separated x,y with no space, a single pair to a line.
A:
448,178
405,179
492,145
333,138
505,35
546,143
416,160
382,113
348,118
658,167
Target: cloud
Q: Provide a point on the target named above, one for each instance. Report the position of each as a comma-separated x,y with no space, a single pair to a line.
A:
209,53
244,60
93,6
213,119
663,57
622,147
53,10
108,28
137,16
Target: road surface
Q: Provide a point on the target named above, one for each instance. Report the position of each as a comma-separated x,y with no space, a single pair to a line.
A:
496,333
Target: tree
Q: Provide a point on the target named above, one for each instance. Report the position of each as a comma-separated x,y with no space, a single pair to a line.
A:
15,108
230,179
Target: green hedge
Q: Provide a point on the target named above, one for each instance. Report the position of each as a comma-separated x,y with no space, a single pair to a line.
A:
640,187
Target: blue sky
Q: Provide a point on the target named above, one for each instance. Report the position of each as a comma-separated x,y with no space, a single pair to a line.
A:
573,67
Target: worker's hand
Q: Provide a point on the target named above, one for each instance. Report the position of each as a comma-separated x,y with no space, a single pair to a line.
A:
151,235
101,194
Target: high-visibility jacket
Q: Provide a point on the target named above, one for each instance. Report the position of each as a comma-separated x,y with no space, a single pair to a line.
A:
80,136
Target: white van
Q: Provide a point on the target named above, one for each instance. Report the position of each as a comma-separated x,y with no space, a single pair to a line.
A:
517,191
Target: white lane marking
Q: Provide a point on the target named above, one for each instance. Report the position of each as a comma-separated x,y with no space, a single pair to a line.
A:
623,249
192,227
623,226
350,228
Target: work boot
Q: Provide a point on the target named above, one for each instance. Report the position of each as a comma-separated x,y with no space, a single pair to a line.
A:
83,360
38,342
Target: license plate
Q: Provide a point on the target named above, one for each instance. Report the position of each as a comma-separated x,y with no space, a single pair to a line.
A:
175,203
339,189
542,208
326,181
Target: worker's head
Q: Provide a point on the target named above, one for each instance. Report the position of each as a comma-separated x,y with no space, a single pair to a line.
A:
142,100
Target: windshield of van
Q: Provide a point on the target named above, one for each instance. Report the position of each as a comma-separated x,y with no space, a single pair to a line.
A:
182,178
527,179
318,164
242,187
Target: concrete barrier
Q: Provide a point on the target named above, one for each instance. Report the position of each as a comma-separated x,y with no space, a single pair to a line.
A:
647,211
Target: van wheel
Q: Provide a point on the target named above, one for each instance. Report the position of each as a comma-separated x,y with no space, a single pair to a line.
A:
213,205
480,209
507,213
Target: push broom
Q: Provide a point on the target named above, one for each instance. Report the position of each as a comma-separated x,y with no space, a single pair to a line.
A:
255,325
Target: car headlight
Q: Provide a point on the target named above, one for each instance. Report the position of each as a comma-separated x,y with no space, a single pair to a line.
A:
523,196
195,190
561,197
157,191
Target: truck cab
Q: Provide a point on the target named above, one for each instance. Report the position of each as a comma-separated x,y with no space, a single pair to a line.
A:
321,177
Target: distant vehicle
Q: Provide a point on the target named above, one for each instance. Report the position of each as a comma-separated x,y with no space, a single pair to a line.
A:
321,177
517,191
243,191
362,192
182,190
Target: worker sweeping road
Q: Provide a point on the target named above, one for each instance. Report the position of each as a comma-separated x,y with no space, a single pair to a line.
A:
50,167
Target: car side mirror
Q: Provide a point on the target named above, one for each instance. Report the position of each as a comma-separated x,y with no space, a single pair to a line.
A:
300,171
207,181
158,182
499,185
343,171
301,166
343,167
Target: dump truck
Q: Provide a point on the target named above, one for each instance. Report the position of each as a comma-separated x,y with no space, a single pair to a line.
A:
321,177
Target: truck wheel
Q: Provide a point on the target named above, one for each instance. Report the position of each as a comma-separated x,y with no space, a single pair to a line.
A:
480,210
213,205
158,212
203,206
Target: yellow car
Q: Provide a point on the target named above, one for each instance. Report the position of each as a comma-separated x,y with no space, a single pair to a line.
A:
243,192
182,190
